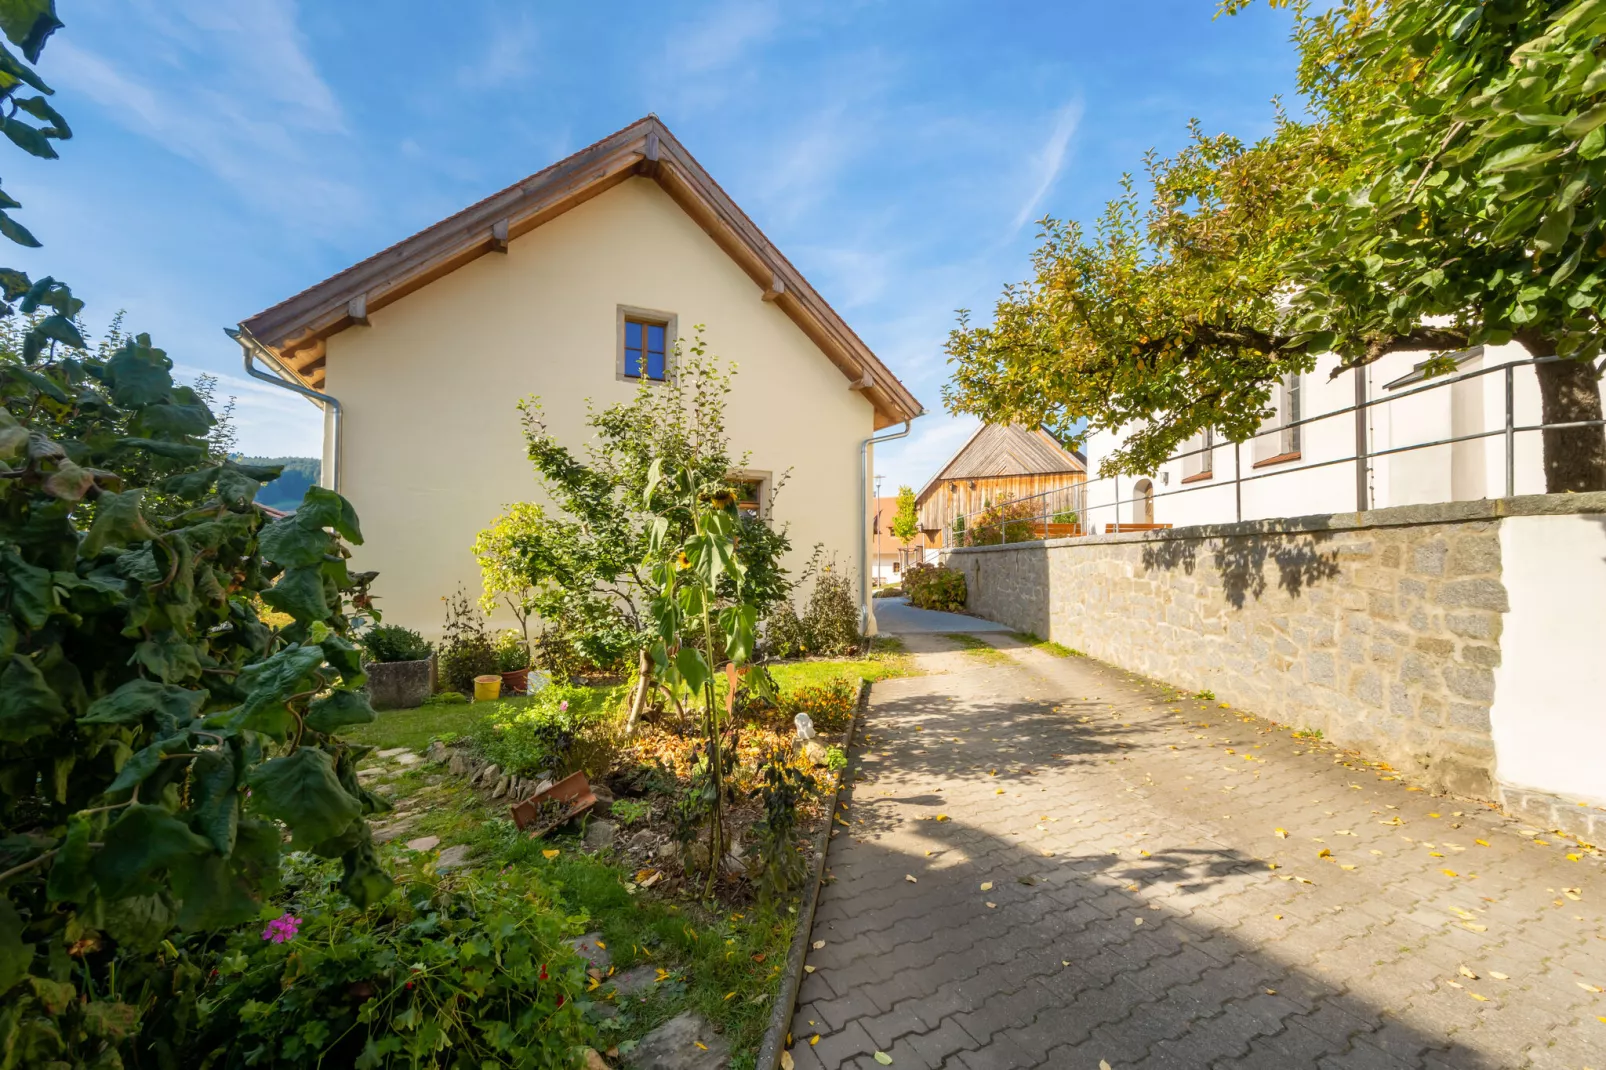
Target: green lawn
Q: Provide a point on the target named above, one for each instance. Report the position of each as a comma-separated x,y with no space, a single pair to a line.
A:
977,648
415,728
1048,646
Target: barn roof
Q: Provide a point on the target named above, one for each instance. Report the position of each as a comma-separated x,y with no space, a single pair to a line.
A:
1005,450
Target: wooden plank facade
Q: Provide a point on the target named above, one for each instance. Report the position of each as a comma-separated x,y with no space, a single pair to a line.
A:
1000,463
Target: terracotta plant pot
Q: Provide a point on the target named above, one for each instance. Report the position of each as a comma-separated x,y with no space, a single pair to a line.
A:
573,793
516,682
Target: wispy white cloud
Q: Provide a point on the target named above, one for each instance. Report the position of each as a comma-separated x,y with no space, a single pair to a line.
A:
725,37
1049,162
269,422
510,55
912,461
230,87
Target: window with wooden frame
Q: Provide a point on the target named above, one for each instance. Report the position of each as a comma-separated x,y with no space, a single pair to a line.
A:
1279,441
646,344
752,492
1199,461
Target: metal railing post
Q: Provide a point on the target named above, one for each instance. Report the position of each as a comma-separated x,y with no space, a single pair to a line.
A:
1238,478
1360,439
1511,432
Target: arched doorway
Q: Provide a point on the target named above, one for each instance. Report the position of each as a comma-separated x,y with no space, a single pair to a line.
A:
1143,502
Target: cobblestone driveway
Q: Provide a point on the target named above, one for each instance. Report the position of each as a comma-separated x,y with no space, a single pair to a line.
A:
1101,874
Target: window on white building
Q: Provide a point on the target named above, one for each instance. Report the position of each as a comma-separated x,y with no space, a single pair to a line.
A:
1279,438
1198,462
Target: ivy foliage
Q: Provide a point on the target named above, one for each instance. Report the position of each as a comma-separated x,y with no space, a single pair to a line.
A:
1442,191
155,734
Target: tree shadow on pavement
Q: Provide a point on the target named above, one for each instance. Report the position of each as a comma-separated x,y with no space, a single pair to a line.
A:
953,946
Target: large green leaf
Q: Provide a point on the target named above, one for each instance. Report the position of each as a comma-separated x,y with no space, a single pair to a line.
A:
139,375
142,840
40,108
28,24
303,792
29,707
118,522
337,710
214,798
137,699
299,593
169,656
70,878
692,666
15,955
27,138
17,232
290,543
324,508
30,588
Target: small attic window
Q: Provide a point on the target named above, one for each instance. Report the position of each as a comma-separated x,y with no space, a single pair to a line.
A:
646,340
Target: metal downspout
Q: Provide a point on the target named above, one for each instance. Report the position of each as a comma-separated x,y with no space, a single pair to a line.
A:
864,521
283,378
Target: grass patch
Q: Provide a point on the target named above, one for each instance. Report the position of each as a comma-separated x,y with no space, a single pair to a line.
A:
440,720
977,648
1048,646
887,659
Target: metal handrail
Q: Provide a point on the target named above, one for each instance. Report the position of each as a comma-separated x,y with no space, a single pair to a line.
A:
966,530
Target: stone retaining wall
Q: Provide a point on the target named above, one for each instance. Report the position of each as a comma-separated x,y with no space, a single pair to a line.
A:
1381,629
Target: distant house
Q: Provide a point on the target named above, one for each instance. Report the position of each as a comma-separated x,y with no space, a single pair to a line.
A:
889,555
573,284
1002,463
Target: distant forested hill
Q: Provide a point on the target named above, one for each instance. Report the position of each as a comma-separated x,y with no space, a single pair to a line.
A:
286,491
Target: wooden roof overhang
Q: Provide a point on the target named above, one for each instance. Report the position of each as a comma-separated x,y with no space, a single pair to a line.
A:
297,329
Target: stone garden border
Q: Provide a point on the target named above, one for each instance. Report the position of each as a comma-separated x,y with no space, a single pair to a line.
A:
774,1043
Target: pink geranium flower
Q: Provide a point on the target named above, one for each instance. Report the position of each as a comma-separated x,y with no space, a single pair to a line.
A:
282,929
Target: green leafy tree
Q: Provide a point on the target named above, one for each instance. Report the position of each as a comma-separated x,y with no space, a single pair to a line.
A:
704,629
1443,193
156,738
905,521
577,566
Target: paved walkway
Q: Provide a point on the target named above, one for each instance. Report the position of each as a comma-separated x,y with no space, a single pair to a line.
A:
896,616
1050,863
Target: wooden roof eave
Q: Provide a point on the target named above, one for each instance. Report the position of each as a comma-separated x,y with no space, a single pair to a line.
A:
298,329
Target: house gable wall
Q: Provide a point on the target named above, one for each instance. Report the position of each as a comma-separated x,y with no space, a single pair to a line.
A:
432,444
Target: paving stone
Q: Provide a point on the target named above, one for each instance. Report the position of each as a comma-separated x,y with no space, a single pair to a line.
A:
1165,930
453,857
424,843
590,947
674,1046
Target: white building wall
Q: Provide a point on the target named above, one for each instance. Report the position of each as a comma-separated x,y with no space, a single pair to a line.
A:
1323,479
1548,719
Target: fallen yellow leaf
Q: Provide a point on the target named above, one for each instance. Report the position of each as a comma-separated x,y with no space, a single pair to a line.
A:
815,1039
992,906
883,1058
986,886
1498,976
1481,843
787,1062
808,969
817,944
1466,972
700,1044
1449,873
730,995
551,854
1282,834
1324,853
910,879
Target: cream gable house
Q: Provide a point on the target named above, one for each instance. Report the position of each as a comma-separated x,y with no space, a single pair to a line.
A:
572,285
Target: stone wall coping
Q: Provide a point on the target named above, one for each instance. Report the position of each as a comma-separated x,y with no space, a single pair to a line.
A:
1398,516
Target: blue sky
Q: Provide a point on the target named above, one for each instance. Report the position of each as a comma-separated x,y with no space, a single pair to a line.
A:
229,153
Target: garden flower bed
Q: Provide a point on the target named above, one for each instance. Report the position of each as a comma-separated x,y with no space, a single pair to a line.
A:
655,947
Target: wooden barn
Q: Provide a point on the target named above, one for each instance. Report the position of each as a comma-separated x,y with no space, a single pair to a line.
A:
1001,462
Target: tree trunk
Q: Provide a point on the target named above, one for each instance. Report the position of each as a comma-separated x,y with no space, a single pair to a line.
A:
638,701
1575,457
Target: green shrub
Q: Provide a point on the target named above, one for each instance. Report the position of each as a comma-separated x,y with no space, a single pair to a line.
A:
935,587
628,811
446,698
512,652
392,642
466,651
783,633
460,972
831,621
782,787
561,730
